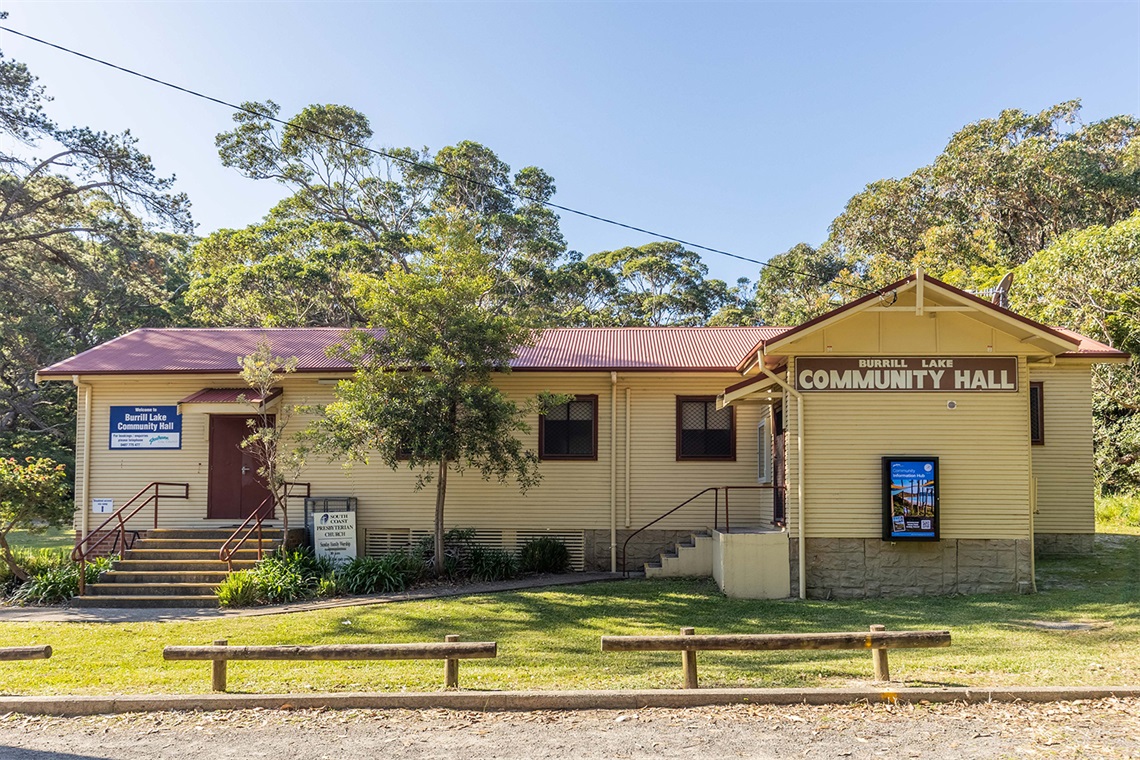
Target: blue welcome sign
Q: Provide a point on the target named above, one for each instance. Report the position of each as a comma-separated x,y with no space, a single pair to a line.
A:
146,427
910,498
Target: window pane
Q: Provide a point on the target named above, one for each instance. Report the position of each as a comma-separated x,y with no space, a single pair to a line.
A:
1036,434
705,430
580,438
568,430
719,419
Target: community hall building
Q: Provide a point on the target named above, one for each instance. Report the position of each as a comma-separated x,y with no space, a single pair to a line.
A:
919,440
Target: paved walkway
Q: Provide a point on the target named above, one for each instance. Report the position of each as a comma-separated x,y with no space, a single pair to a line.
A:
115,615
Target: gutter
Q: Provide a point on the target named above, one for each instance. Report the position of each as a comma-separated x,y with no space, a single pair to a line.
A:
800,541
85,495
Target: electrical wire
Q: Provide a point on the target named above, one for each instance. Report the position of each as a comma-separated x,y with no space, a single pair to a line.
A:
420,164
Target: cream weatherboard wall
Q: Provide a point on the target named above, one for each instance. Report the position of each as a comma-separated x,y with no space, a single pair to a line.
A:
1063,465
983,442
573,495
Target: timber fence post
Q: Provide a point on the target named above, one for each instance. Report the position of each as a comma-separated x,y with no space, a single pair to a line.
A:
879,657
451,667
689,661
219,676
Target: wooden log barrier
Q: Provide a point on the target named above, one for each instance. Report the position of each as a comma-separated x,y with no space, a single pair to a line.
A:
450,651
878,640
11,654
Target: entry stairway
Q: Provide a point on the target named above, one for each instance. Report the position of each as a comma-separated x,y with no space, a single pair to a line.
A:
693,558
172,568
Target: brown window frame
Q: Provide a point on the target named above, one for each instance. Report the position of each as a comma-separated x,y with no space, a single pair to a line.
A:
731,457
544,456
1040,388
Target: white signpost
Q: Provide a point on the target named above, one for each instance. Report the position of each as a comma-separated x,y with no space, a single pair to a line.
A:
334,535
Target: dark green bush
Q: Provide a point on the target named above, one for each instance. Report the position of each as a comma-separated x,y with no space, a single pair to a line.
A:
239,589
58,583
380,575
491,564
544,555
34,562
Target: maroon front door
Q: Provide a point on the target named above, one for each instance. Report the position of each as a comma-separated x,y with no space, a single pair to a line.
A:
235,487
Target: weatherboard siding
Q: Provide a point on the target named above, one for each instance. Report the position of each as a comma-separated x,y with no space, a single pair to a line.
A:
573,495
1063,465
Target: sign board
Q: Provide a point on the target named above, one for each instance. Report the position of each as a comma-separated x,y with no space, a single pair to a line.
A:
907,373
910,498
334,535
102,506
145,427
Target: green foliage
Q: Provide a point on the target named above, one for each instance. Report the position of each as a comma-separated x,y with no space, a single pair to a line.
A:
491,564
285,576
57,583
34,495
1118,514
380,575
544,555
239,589
798,285
1089,280
1003,189
659,284
440,315
33,562
82,259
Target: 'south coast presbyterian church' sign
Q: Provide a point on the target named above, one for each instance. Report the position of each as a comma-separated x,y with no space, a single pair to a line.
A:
906,373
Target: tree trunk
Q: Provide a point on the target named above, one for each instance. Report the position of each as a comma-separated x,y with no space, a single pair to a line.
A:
9,560
440,494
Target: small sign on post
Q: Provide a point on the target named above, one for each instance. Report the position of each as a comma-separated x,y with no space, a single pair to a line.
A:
334,536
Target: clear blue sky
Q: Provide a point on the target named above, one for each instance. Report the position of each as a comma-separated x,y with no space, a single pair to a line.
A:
743,126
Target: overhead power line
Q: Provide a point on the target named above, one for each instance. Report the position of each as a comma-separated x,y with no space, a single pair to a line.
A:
419,164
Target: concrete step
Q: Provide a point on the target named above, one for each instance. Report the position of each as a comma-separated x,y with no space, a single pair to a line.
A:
183,565
151,576
206,533
147,544
151,589
145,601
178,555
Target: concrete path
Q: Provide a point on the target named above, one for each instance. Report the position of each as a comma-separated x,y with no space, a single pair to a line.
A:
113,615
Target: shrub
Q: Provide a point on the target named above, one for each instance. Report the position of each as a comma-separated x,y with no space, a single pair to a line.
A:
239,589
544,555
34,562
380,575
60,583
492,564
287,575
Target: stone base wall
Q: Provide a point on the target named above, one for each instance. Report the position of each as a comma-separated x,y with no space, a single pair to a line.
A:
647,546
1062,544
846,568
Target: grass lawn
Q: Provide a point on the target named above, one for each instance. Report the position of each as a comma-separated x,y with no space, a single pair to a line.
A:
1118,514
53,538
549,639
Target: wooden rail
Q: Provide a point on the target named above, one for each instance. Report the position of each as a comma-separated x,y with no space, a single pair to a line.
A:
878,640
451,651
11,654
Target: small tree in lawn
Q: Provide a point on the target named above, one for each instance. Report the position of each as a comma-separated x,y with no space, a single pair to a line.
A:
34,494
277,463
422,395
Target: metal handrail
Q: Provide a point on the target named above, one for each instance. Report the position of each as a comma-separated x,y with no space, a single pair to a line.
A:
80,554
258,515
716,509
760,487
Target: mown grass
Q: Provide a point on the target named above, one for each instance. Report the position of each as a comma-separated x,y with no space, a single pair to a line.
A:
52,538
550,639
1118,514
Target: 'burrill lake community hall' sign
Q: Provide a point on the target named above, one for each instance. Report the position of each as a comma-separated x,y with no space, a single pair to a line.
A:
906,373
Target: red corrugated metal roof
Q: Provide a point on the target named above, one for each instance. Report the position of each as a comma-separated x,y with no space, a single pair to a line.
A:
228,396
1090,347
215,350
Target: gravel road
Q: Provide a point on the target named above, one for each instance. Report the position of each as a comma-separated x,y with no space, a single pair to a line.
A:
1103,728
